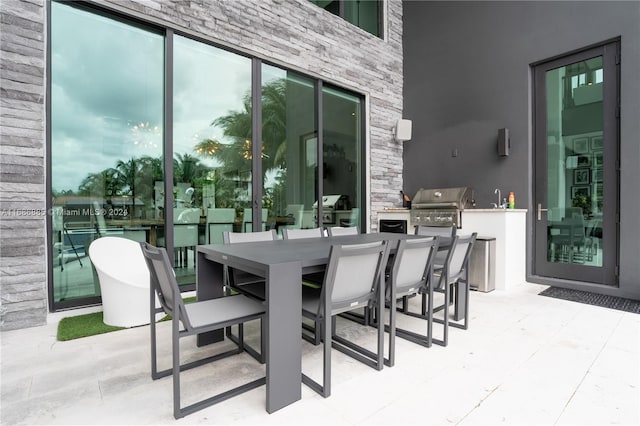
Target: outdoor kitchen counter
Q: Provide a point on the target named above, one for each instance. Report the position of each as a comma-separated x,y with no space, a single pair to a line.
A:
509,227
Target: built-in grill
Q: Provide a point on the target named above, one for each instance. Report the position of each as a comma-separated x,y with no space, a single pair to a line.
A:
440,207
330,204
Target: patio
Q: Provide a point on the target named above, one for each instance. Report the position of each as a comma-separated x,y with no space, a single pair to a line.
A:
526,359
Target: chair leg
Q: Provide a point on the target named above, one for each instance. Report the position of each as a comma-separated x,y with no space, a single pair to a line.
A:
154,352
430,317
445,339
392,332
465,321
263,340
329,330
177,413
323,332
239,340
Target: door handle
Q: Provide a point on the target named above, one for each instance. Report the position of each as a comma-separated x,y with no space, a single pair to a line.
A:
540,210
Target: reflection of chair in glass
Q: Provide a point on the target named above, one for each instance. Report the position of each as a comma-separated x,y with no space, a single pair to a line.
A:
218,221
352,281
567,235
295,211
197,317
135,233
342,230
593,233
185,233
60,235
124,281
248,218
100,224
353,219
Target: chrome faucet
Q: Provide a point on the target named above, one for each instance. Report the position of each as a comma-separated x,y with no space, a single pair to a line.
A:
499,204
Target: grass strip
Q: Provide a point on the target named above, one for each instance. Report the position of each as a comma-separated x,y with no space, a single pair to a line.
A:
78,326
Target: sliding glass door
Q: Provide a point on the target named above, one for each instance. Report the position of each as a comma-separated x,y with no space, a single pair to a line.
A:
153,138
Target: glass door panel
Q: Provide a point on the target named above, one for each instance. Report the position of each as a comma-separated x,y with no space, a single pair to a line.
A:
342,160
211,139
106,142
575,183
289,149
574,163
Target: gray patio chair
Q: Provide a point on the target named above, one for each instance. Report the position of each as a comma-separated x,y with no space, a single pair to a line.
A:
455,272
315,279
342,230
453,276
446,234
410,273
197,317
352,281
244,282
292,234
311,280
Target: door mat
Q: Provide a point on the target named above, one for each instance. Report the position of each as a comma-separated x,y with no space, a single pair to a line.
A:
611,302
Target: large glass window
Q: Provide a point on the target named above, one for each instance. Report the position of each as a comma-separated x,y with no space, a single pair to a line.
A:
106,141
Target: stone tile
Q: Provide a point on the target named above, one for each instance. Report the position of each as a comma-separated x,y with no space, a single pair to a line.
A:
526,359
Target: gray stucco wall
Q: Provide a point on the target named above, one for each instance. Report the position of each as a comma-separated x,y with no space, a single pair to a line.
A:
293,33
467,74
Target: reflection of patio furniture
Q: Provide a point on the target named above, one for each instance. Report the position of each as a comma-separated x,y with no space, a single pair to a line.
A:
60,235
136,233
295,211
218,221
353,219
593,235
567,235
185,233
124,281
248,220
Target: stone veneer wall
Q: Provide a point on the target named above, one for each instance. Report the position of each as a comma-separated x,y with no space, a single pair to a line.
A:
23,288
293,33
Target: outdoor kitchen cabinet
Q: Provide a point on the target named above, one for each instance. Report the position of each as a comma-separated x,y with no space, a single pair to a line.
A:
509,228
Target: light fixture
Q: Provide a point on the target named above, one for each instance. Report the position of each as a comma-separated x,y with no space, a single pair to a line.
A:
402,131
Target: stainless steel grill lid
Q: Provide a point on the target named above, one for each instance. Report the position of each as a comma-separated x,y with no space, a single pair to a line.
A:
442,198
333,202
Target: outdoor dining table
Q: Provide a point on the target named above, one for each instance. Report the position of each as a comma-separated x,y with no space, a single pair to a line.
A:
281,263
